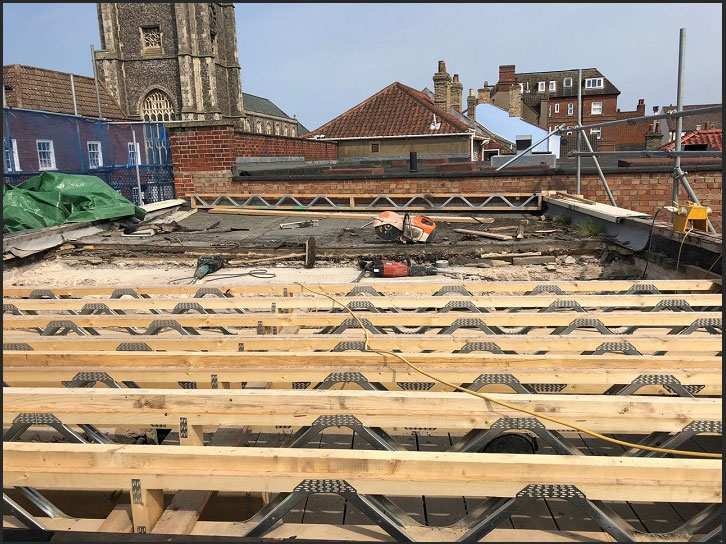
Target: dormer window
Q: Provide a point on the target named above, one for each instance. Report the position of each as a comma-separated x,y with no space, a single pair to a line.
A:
540,86
553,86
568,82
594,83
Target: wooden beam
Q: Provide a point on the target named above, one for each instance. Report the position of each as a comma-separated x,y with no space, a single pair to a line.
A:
320,303
253,320
185,508
118,521
383,286
363,216
583,374
388,409
485,234
146,505
555,344
95,466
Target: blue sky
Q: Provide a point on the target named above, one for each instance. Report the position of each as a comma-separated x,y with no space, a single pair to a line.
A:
318,60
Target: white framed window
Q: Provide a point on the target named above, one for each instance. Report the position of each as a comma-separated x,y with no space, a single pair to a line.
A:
540,86
95,156
557,108
11,164
570,109
553,86
594,83
521,88
567,82
597,132
46,155
134,152
596,108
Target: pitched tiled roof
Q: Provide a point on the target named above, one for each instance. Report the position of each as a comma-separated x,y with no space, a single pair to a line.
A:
533,98
690,122
47,90
397,110
258,104
711,137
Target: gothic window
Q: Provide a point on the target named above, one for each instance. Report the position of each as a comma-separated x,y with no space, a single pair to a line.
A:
258,127
285,131
247,125
268,128
292,131
277,129
151,37
157,107
213,27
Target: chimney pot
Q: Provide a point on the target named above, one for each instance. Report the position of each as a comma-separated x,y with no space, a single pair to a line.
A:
456,78
442,66
641,102
471,92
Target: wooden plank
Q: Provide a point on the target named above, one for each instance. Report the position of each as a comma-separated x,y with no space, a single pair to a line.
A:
383,286
399,302
118,521
485,234
252,320
67,466
292,346
363,216
606,414
146,507
186,506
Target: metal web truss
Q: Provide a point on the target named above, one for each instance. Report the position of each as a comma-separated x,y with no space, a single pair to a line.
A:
454,202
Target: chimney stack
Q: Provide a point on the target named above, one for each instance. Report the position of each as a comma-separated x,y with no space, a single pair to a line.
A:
442,87
485,94
471,103
641,107
515,101
457,90
506,76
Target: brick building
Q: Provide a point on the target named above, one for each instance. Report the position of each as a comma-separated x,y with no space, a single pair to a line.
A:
704,121
399,119
178,61
548,99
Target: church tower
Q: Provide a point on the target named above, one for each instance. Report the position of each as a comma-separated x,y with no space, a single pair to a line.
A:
171,61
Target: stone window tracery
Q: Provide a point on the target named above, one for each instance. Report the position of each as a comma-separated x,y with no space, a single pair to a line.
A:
157,107
151,36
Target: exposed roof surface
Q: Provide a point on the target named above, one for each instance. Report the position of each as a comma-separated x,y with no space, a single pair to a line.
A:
397,110
48,90
533,98
711,137
714,119
258,104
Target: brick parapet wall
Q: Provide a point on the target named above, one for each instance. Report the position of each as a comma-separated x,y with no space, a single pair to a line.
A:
203,158
203,155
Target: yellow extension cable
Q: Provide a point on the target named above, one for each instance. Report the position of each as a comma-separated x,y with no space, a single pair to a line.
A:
502,403
680,248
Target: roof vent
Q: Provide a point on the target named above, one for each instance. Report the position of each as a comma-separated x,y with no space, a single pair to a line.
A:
523,142
435,125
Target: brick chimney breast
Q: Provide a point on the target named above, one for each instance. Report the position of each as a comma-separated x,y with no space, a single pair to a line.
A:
515,101
457,89
442,87
471,102
506,75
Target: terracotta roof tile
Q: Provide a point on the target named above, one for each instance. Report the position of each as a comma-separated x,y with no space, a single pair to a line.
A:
711,137
397,110
48,90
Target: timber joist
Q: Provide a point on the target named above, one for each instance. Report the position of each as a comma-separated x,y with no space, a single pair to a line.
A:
282,370
364,478
383,287
440,343
561,323
688,302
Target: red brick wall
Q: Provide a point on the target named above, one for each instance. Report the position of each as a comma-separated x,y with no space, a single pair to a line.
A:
203,158
609,112
263,145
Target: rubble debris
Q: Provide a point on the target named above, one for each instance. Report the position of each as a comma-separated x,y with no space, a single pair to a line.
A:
484,234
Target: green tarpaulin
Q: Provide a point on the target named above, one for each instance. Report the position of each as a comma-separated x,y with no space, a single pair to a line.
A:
53,198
